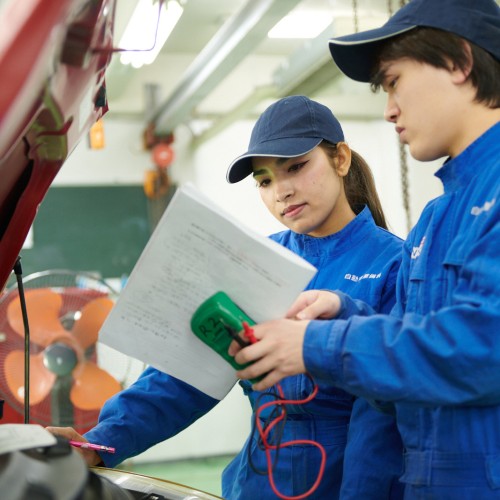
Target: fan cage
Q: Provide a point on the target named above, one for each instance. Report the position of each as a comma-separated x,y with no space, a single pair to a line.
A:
76,290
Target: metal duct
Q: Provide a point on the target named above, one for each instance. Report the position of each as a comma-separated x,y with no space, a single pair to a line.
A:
236,39
306,71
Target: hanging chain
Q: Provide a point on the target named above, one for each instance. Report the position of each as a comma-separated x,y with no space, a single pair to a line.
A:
403,158
405,184
389,7
355,15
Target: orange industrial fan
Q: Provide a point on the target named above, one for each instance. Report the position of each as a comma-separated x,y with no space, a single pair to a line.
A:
67,384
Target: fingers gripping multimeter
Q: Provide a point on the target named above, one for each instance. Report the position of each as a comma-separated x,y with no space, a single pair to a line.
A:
217,322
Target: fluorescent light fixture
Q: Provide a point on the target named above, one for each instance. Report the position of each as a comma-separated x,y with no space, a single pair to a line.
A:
301,24
139,35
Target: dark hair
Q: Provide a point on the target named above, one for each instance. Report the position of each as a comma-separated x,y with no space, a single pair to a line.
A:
437,48
359,185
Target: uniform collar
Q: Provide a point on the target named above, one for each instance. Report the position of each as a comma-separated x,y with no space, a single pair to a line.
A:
458,172
338,242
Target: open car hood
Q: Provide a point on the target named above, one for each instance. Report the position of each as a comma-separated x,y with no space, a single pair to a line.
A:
53,57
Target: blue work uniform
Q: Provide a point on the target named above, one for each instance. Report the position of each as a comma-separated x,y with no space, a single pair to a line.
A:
437,355
362,260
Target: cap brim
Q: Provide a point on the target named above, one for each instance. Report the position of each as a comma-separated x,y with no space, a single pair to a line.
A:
354,54
241,167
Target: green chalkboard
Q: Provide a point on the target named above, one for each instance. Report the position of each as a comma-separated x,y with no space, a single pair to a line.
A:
96,229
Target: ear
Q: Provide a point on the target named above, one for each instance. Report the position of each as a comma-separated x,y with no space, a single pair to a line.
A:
343,157
460,75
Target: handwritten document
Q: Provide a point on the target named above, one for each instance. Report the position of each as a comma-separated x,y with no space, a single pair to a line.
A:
196,250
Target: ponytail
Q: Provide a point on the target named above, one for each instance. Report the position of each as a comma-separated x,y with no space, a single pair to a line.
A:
359,185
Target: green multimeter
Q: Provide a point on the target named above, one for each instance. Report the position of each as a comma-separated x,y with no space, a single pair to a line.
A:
217,322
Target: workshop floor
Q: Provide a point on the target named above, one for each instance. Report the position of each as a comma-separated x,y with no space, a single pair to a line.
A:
201,473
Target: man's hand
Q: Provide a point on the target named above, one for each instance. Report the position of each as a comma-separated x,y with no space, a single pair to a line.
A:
277,352
315,304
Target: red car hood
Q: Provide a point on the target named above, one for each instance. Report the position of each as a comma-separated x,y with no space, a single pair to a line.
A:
53,56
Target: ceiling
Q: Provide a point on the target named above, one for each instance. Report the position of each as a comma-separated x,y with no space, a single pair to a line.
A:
218,65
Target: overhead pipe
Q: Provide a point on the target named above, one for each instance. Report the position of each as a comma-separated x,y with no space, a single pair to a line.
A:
306,71
241,110
235,40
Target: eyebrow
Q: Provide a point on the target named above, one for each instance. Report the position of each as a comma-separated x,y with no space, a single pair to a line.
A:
379,77
262,171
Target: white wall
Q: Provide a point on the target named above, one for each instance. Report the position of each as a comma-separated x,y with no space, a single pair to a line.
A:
225,428
122,161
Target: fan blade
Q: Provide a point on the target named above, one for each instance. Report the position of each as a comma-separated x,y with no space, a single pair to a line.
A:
86,328
41,379
43,306
92,387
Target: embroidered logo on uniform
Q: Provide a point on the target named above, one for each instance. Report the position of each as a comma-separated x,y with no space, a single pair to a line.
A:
353,277
415,253
479,210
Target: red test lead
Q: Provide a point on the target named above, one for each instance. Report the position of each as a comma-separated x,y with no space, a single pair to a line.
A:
249,333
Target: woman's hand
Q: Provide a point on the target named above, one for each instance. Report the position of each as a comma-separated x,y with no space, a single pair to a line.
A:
90,456
315,304
277,352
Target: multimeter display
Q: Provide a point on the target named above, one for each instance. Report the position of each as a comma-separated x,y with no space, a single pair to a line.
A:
217,322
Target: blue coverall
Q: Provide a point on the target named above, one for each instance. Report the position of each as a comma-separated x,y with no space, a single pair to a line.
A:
362,260
437,355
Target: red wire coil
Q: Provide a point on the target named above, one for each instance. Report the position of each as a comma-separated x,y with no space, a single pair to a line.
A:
266,430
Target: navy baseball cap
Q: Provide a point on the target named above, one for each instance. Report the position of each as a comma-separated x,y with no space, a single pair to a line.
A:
290,127
478,21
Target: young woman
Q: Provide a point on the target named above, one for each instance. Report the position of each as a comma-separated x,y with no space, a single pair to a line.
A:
320,189
313,183
437,355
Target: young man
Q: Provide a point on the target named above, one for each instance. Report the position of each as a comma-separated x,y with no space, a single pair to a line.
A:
437,355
